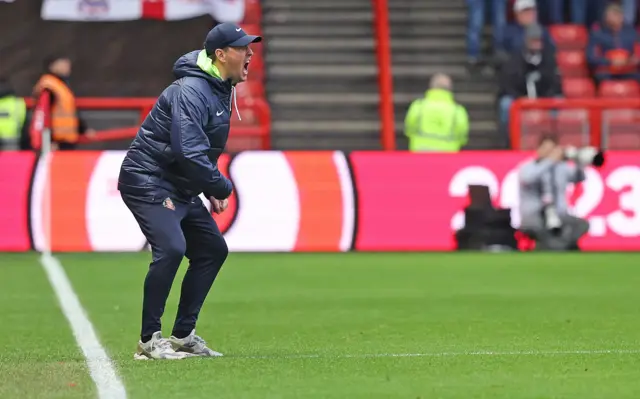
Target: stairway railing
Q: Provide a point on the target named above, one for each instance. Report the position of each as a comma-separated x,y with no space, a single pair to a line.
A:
385,81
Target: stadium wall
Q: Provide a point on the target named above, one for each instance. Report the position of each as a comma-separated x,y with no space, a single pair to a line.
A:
309,201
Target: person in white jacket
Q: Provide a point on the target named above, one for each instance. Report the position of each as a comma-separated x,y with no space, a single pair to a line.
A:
544,210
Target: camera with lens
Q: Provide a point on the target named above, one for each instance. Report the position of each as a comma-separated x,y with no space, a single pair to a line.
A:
585,156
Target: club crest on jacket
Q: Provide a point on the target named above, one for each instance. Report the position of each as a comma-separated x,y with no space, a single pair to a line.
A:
167,203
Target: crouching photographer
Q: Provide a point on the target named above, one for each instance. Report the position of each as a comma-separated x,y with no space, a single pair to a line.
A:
543,194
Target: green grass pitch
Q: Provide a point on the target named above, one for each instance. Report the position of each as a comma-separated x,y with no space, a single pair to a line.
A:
356,325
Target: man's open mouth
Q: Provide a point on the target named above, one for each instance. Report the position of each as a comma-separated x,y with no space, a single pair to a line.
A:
245,67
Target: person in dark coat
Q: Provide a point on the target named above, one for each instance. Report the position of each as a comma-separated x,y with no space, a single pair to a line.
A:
172,160
513,36
612,50
531,72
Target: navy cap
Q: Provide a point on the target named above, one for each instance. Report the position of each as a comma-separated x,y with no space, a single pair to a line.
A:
228,35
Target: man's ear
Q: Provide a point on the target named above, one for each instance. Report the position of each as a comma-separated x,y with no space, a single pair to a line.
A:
220,54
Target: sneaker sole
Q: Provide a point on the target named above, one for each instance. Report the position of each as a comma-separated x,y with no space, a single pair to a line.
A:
191,354
141,356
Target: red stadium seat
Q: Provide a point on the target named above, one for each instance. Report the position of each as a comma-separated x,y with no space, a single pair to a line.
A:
619,117
578,88
572,63
619,88
620,129
573,127
623,141
534,123
569,37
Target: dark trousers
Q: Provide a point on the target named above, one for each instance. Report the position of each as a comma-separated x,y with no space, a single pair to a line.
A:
476,15
188,230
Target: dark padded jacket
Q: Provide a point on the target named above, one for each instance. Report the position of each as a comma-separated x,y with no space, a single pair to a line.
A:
176,150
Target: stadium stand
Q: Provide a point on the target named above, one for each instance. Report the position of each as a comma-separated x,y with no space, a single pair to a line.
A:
592,113
119,89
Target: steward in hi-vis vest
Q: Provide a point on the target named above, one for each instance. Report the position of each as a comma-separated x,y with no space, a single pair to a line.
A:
436,122
13,112
61,113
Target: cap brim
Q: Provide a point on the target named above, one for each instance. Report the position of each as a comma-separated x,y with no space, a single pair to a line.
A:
245,41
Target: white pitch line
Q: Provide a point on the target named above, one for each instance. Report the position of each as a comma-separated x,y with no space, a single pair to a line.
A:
447,354
100,365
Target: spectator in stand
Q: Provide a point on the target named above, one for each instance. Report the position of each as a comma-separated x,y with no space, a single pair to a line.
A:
612,51
66,125
588,12
476,12
436,122
13,112
531,72
585,12
526,14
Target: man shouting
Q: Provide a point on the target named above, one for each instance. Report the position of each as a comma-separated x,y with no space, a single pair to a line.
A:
172,160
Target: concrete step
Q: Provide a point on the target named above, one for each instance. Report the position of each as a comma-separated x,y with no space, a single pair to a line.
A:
360,4
348,99
327,127
316,58
342,112
448,44
325,18
363,29
332,44
433,29
299,31
320,44
318,85
417,58
322,99
303,113
444,17
324,71
332,18
319,141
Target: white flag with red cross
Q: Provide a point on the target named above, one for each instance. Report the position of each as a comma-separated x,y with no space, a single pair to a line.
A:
127,10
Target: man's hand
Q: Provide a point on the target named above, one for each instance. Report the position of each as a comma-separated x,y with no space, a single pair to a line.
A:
219,206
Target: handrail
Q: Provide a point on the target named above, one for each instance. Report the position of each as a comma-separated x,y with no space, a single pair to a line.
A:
385,82
593,106
144,105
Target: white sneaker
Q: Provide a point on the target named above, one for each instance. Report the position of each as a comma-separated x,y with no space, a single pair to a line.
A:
157,348
193,345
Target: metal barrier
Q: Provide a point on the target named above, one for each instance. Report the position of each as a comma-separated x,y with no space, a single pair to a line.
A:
250,133
610,123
